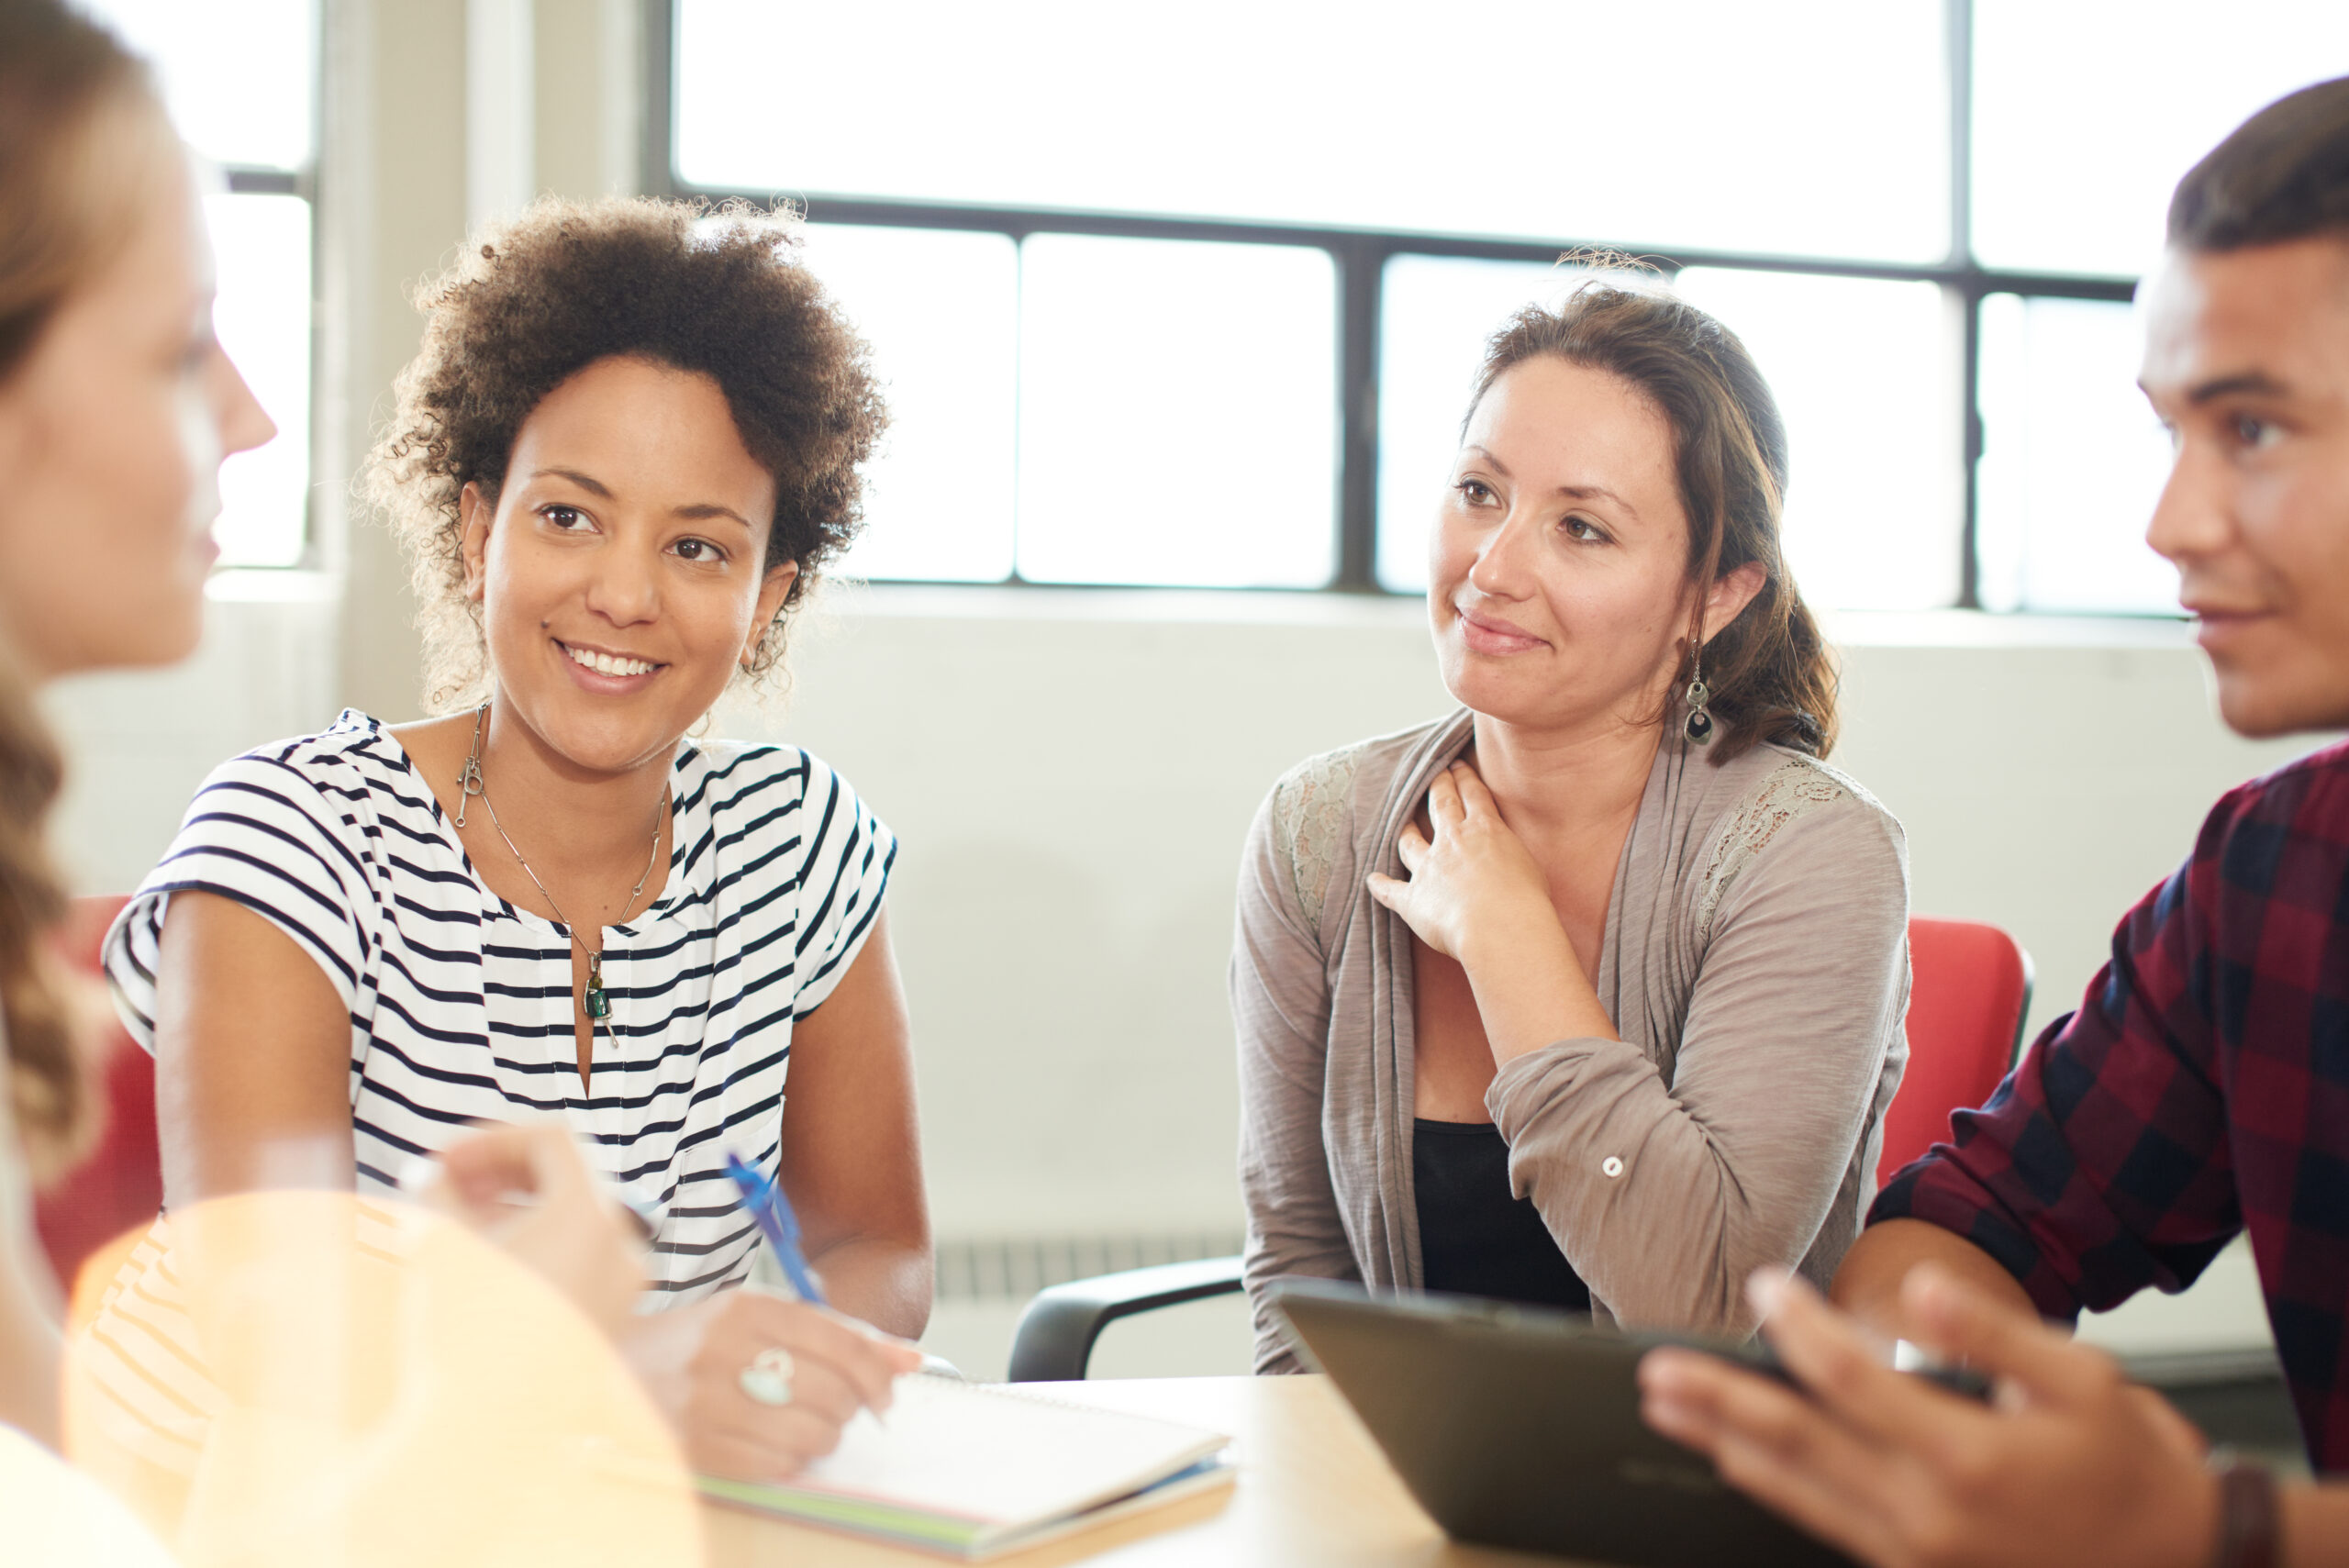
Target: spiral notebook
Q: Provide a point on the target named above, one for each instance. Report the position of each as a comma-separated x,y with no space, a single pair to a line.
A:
969,1470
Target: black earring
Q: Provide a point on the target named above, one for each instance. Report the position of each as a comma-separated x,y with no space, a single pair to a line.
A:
1700,728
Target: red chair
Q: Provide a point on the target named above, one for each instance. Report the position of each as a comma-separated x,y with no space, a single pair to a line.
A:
1969,992
119,1186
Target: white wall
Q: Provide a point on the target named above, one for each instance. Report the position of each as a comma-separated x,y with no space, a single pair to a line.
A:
137,745
1071,774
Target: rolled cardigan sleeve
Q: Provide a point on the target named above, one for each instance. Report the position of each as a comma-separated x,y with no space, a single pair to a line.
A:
1665,1196
1280,1012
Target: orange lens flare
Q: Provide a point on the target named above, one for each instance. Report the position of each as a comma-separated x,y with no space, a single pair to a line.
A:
315,1378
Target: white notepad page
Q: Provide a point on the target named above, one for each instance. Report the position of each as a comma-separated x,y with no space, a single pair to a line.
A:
977,1452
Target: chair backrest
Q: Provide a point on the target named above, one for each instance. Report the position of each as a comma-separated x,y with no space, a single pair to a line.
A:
1970,987
119,1186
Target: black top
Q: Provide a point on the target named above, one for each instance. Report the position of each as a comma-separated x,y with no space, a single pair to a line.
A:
1475,1237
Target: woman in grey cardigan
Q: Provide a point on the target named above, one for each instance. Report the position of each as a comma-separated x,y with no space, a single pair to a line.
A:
1590,993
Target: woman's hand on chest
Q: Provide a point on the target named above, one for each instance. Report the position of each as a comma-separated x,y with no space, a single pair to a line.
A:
1475,891
1478,894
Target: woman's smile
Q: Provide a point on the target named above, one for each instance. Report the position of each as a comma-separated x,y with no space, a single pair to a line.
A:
603,670
1491,635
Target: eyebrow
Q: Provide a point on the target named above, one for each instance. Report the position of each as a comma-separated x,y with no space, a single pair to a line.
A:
593,486
2255,384
699,511
704,510
1577,492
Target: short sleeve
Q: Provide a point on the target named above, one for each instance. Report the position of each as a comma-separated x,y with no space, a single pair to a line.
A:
278,838
846,870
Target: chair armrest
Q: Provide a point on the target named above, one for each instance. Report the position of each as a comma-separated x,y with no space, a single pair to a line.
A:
2238,1397
1055,1336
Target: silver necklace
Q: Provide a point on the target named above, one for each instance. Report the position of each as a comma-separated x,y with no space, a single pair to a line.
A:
591,1000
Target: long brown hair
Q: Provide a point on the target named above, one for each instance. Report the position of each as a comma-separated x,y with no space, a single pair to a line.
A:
1771,675
63,83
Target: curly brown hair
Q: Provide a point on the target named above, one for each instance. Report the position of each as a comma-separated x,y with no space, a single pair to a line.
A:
720,291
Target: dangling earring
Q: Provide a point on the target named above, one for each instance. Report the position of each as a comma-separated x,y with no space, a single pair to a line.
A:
1700,728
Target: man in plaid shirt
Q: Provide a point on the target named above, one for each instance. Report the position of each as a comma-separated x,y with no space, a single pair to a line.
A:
2202,1088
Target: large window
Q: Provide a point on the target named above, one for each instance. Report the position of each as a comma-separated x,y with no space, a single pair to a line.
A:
238,76
1196,295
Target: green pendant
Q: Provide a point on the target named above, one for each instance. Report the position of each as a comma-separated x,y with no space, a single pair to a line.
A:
592,999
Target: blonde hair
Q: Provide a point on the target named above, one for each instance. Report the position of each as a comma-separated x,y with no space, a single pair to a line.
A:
73,105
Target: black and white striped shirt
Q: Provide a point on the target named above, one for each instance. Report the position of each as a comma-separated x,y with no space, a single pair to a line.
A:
462,1005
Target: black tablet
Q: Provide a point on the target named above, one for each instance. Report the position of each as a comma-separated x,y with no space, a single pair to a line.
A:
1520,1427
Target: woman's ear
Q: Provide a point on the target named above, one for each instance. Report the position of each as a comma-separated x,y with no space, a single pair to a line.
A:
475,514
776,584
1733,591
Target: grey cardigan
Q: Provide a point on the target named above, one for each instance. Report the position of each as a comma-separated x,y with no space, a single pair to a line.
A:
1755,962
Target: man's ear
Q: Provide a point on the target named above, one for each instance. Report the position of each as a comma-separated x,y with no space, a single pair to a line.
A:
1733,591
778,582
475,514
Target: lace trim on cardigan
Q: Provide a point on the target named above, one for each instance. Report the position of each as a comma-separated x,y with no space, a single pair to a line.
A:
1796,788
1310,805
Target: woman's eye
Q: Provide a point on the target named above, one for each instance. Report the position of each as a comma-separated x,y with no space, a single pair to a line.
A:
564,517
1584,529
2253,432
1476,491
698,550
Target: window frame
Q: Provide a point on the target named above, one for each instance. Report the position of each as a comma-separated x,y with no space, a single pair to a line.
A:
1358,256
243,180
301,183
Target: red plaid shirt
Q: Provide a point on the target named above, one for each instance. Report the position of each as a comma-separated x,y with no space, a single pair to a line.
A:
2202,1088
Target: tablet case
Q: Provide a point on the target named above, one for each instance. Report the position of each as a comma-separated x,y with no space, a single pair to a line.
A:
1519,1427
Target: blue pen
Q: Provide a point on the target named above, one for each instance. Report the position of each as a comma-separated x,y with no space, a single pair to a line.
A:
771,1212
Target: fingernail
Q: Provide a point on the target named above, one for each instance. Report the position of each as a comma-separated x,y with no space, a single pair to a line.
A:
1765,1287
1667,1416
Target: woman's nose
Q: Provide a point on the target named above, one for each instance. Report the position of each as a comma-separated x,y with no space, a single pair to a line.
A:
624,589
1501,566
244,423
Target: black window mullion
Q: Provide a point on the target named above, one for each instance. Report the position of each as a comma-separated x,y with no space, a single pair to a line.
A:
1969,560
1360,258
1361,276
658,148
1960,18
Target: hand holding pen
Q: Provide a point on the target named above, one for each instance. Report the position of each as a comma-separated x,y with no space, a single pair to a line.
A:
772,1377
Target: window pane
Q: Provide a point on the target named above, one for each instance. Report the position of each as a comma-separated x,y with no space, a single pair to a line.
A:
262,316
2073,166
2073,461
1866,376
1437,313
236,73
1727,125
1177,413
941,311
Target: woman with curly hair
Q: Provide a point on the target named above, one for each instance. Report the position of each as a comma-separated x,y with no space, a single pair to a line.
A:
629,444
